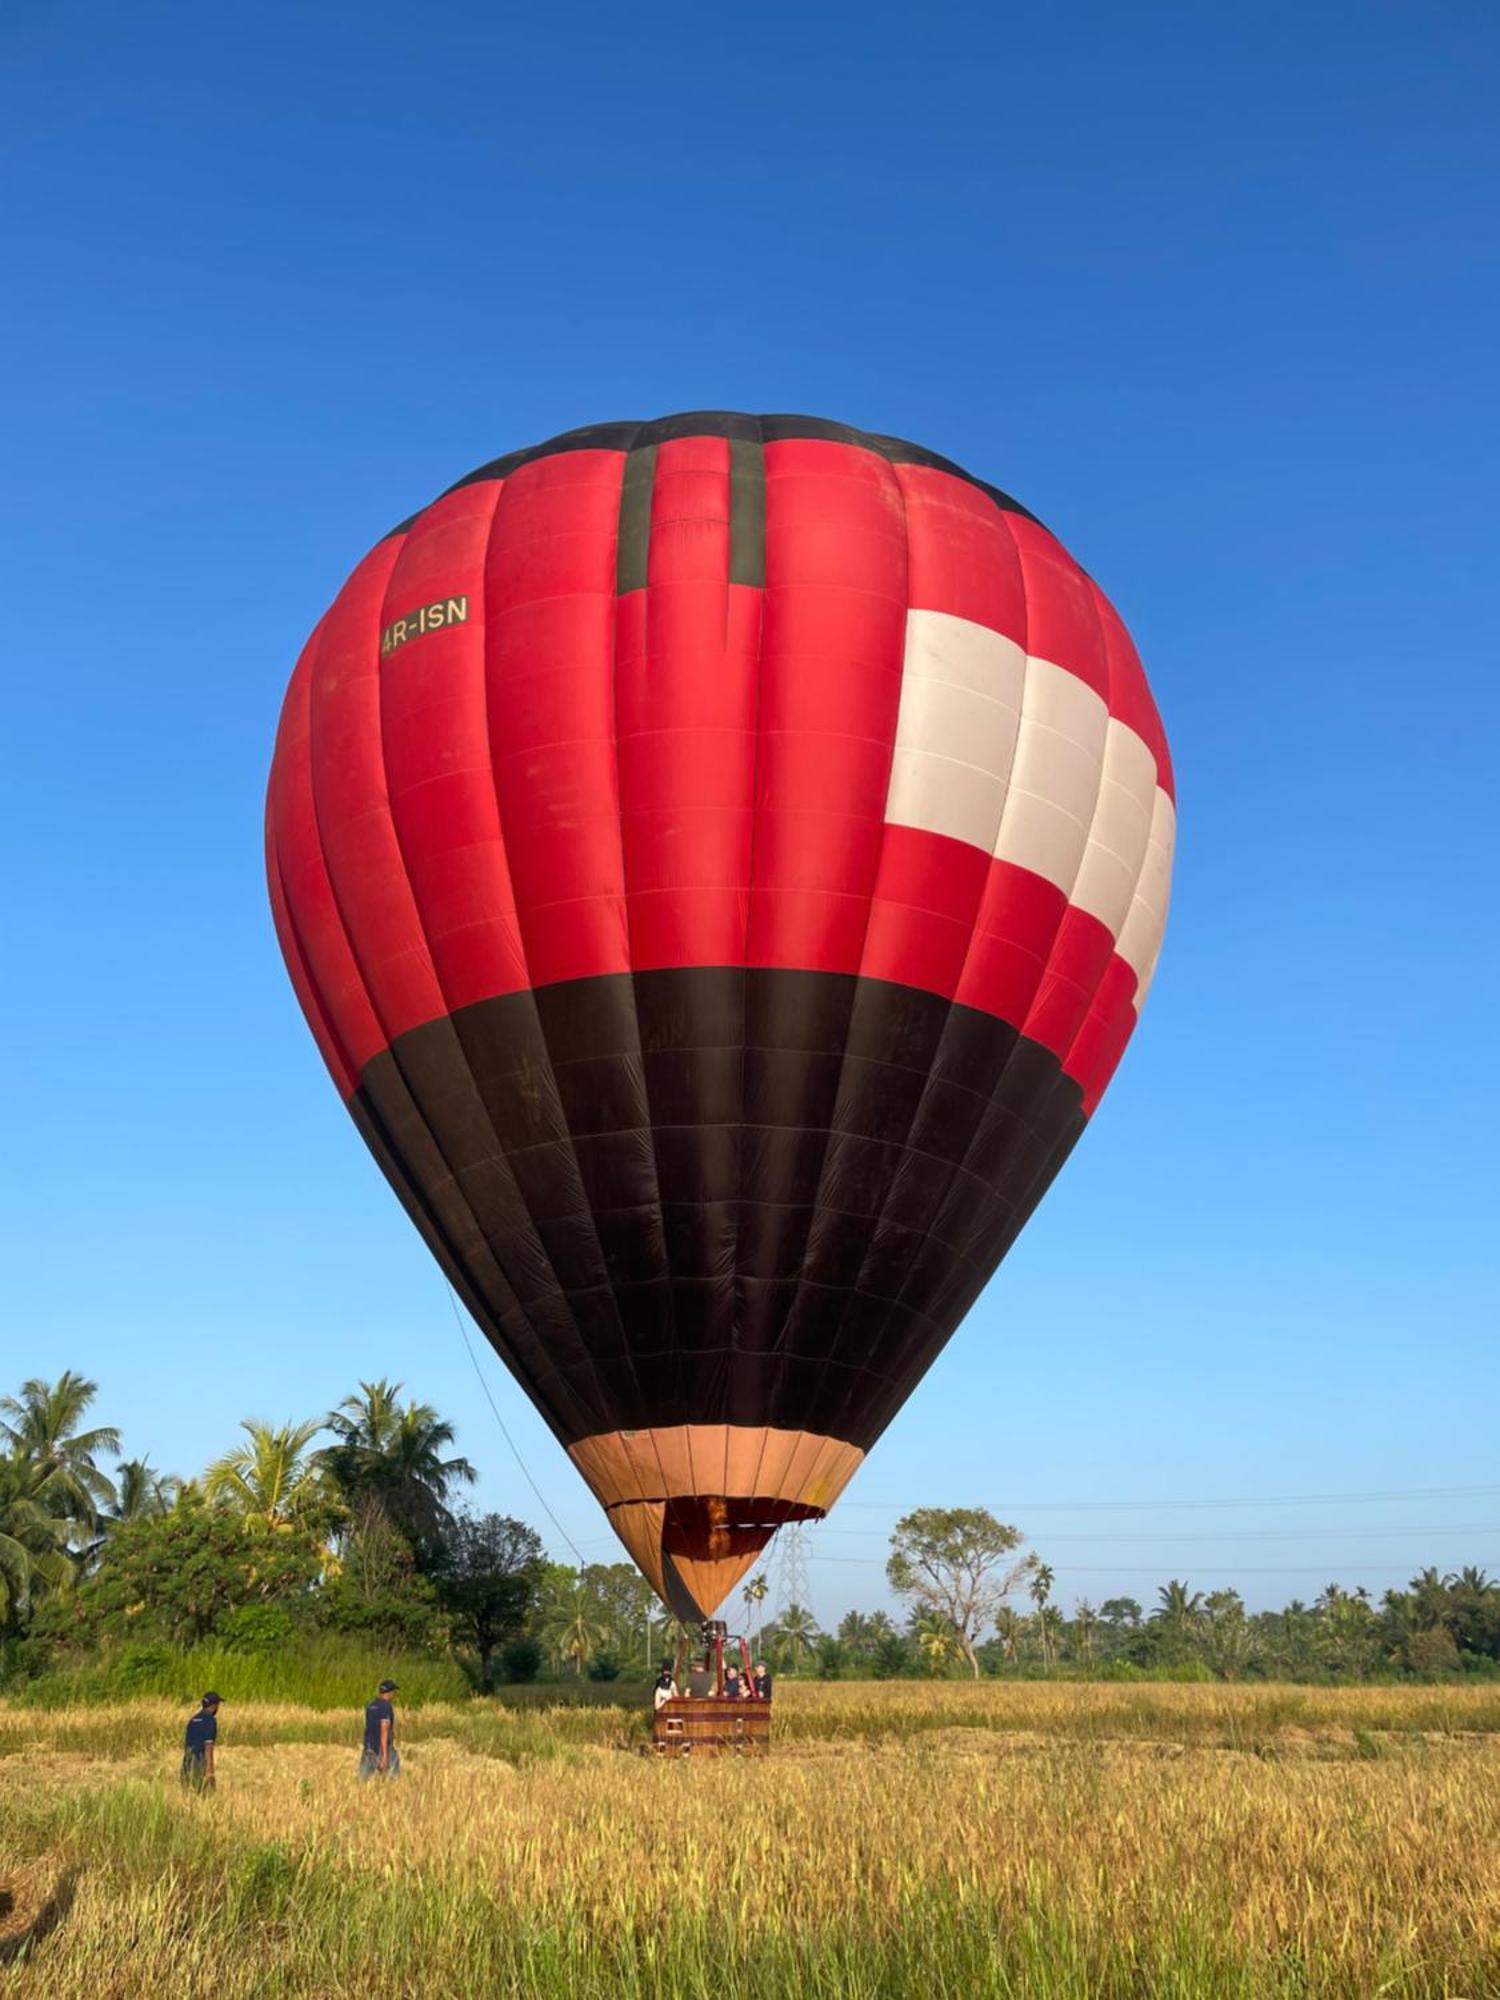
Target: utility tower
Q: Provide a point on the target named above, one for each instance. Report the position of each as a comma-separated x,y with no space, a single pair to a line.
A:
792,1586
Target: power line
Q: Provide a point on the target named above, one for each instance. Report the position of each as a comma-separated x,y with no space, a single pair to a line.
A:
1240,1569
1137,1569
1247,1535
1253,1500
495,1410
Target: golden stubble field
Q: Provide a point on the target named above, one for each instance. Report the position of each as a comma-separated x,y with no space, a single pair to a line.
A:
904,1839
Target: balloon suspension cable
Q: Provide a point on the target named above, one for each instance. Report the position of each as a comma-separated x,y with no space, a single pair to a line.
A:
495,1411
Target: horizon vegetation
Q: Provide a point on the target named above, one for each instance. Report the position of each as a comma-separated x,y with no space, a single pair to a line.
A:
293,1569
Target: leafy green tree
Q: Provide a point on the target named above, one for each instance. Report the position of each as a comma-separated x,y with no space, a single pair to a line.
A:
273,1479
374,1587
177,1576
1432,1650
1121,1614
41,1426
949,1560
393,1454
628,1609
487,1573
521,1660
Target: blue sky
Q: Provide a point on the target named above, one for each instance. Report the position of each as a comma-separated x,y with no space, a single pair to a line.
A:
1213,291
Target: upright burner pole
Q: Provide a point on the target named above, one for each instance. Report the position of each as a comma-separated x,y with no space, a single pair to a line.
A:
714,1631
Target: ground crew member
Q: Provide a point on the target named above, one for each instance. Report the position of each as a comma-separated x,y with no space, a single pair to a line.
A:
198,1745
378,1759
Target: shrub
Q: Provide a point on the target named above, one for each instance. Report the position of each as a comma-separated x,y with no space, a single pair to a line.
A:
892,1657
255,1628
1430,1652
833,1657
521,1661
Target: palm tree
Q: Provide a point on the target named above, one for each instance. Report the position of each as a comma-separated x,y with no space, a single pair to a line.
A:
572,1627
936,1639
1039,1590
1295,1629
1050,1623
1431,1595
271,1479
1085,1624
33,1540
796,1632
1347,1627
391,1455
1177,1605
41,1427
141,1493
1008,1630
754,1594
854,1632
1178,1613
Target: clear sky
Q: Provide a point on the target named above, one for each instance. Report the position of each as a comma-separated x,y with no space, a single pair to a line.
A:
1214,291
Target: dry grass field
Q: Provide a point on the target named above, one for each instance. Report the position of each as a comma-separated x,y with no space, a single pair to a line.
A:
1006,1839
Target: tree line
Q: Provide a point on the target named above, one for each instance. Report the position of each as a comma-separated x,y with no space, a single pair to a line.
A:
351,1525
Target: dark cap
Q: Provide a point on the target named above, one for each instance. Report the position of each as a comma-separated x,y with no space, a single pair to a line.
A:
386,1687
211,1700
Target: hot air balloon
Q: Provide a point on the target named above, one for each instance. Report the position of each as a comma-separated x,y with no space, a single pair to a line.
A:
721,861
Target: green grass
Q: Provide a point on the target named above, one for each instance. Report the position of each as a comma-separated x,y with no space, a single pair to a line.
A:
903,1842
319,1673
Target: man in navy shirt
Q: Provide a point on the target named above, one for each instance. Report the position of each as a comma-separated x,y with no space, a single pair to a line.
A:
378,1759
198,1746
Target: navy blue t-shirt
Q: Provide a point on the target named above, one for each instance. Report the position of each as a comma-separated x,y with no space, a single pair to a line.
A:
378,1711
202,1729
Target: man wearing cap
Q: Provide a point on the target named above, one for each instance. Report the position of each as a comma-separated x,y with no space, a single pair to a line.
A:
198,1745
378,1759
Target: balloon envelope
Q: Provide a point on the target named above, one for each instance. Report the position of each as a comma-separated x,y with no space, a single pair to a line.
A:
721,861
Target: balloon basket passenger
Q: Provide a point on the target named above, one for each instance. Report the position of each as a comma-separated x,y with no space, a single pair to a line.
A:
714,1700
